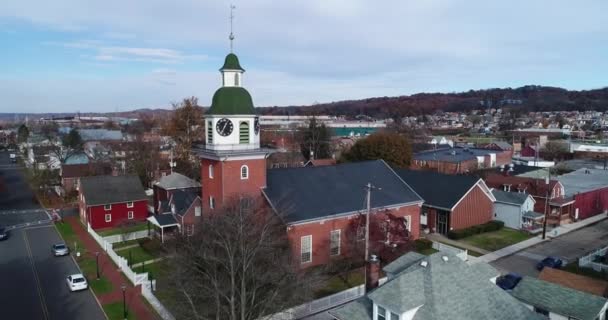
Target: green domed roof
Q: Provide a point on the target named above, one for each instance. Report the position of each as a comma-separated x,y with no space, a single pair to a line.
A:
231,63
231,100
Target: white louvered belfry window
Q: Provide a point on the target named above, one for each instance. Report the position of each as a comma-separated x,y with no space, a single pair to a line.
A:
334,243
209,132
306,249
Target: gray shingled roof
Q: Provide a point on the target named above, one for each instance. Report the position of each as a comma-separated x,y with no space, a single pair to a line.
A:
403,262
100,134
579,181
454,155
438,190
182,199
510,197
310,193
443,290
558,299
100,190
177,181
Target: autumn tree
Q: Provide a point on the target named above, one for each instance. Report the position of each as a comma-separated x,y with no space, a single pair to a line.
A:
237,265
23,133
553,150
185,126
393,148
143,158
315,139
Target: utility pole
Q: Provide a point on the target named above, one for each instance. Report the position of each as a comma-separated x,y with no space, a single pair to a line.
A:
368,213
546,203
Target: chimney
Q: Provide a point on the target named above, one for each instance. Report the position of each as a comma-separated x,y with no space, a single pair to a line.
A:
372,272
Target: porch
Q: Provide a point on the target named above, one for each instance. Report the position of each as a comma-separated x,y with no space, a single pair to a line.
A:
532,222
164,225
560,212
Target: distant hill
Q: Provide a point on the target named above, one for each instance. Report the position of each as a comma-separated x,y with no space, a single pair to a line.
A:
527,98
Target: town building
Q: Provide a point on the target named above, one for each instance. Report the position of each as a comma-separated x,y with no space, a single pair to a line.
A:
109,201
462,202
460,160
439,286
588,188
516,210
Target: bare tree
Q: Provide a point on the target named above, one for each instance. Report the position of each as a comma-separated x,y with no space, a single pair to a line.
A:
237,265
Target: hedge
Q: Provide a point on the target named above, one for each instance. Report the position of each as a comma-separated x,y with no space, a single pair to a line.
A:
423,244
486,227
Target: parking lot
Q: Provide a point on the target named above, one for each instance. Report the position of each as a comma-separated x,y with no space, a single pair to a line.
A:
569,247
33,280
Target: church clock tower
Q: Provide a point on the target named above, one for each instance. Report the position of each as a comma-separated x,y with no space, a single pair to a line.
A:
232,162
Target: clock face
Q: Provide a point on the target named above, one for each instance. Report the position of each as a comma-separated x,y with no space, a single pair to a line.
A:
224,127
256,124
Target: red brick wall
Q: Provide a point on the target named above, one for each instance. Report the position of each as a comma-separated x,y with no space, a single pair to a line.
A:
320,232
476,208
591,203
504,157
227,180
119,211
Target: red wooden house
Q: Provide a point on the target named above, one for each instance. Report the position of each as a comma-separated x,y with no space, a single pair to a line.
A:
108,201
451,202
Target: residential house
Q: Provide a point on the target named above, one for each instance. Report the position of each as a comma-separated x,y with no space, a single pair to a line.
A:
575,281
41,157
440,286
451,202
559,209
530,151
167,185
557,302
71,173
183,210
320,162
516,210
498,145
589,190
108,201
438,140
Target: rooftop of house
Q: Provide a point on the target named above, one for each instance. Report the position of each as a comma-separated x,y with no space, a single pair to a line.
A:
502,145
533,186
559,299
310,193
181,199
452,154
83,170
515,198
321,162
584,180
426,184
78,158
436,289
575,281
177,181
101,190
100,134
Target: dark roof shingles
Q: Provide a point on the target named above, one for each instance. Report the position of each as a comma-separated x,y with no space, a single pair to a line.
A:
99,190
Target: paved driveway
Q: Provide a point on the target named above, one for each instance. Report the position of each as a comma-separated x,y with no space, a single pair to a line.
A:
570,246
32,281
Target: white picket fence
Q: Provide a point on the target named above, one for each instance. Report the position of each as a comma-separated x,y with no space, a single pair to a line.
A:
135,278
126,237
460,253
587,261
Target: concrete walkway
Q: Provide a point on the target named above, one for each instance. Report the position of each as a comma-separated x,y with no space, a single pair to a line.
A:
556,232
436,237
136,265
125,247
109,270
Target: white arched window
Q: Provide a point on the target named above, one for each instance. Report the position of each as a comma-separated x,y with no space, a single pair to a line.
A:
244,172
211,171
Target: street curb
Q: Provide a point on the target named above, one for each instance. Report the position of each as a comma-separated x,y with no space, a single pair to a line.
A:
78,266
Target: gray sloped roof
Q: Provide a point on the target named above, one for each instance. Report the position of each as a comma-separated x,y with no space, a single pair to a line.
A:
510,197
443,290
583,180
177,181
183,199
437,189
99,134
165,219
559,299
100,190
403,262
310,193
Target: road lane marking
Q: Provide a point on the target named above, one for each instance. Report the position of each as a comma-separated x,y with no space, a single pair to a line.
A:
39,287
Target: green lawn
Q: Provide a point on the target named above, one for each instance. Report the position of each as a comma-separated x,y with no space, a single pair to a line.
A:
114,231
114,311
100,286
153,269
138,254
495,240
119,245
339,283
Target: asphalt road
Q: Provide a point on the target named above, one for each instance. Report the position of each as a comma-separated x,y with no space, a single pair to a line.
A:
32,281
569,247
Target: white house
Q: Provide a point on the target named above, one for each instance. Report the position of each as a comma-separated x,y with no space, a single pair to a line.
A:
516,210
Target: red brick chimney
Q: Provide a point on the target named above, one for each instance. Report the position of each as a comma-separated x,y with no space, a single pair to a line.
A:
372,273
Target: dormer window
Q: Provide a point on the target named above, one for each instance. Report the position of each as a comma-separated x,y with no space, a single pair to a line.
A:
506,187
384,314
381,314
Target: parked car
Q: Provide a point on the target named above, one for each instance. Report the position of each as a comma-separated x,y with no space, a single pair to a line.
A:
77,282
3,233
551,262
508,281
60,249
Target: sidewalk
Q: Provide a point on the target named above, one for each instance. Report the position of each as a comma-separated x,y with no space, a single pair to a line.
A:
110,271
556,232
436,237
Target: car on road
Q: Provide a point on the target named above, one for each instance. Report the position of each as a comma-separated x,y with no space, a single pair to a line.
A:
551,262
3,233
508,281
60,249
77,282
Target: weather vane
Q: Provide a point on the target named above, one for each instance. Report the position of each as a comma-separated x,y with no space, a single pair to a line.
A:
231,36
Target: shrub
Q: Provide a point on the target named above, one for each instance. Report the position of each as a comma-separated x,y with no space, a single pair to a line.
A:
467,232
423,244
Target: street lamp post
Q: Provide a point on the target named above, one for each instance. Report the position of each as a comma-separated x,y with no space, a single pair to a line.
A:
97,263
124,301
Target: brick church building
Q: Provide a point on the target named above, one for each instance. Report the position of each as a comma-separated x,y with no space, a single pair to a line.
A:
319,203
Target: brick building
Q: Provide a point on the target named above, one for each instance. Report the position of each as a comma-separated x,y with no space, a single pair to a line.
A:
460,159
108,201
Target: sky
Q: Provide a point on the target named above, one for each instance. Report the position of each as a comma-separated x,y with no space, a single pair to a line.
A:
117,55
